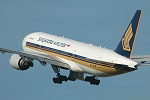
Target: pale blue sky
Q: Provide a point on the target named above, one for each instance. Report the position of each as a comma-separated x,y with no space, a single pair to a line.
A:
99,22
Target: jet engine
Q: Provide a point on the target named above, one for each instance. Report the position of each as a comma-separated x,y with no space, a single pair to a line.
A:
20,63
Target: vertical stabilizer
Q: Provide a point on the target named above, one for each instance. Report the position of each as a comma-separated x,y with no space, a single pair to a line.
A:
126,44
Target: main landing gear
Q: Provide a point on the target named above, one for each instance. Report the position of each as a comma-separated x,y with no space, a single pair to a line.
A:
72,77
92,80
60,78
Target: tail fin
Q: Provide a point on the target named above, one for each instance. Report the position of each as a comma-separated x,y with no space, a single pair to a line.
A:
126,44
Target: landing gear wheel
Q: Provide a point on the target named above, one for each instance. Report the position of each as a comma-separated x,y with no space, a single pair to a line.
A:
57,80
60,78
92,80
64,78
97,82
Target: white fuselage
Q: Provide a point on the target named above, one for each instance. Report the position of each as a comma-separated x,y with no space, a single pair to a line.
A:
76,54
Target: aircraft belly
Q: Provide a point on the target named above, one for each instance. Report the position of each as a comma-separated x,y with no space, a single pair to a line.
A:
102,72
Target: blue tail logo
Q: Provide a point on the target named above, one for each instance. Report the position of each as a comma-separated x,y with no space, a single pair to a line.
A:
126,44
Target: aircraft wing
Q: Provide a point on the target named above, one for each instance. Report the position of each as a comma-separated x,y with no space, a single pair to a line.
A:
143,60
39,57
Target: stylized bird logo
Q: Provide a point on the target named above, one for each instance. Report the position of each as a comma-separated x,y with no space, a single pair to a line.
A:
127,37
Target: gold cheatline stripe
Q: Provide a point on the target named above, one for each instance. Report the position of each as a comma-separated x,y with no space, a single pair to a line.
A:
101,68
67,55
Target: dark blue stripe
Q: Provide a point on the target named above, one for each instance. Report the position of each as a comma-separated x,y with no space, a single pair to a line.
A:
71,55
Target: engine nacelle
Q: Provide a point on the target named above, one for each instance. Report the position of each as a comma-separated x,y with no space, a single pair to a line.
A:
19,63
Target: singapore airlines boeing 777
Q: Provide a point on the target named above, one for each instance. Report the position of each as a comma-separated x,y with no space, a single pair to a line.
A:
77,57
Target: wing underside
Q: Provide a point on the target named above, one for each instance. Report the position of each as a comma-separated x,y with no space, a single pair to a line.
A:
39,57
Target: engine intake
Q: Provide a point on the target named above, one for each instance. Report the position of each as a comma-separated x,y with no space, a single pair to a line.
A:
19,63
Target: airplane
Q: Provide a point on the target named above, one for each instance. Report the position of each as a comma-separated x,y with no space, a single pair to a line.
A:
78,57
